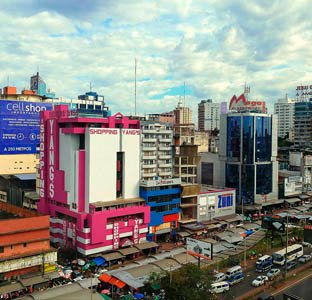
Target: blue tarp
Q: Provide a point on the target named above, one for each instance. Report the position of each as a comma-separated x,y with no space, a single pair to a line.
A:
99,261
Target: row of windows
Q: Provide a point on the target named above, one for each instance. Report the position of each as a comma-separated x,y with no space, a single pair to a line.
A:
163,198
11,247
164,208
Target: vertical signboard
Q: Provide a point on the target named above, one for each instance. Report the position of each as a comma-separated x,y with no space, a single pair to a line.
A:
136,231
19,126
116,236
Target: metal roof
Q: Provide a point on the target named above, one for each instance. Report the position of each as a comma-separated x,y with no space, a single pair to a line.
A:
146,245
30,176
128,251
112,256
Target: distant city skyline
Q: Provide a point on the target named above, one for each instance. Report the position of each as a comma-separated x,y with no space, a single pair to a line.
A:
213,46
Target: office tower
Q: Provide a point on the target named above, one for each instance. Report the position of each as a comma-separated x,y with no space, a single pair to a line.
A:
303,124
89,180
248,150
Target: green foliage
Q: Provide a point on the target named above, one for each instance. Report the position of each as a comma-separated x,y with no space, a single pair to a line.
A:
187,283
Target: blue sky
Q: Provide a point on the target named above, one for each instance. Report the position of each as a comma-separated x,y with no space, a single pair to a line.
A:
214,46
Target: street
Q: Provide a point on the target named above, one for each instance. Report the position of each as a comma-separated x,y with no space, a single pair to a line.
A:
302,289
245,286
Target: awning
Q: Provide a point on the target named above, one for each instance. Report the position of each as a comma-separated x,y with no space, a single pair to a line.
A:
112,256
273,202
8,288
105,297
167,264
143,271
53,275
184,258
32,195
30,176
105,277
117,282
128,251
304,197
88,282
33,280
292,200
99,261
146,245
183,234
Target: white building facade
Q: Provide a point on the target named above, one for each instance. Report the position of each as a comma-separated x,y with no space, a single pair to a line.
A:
208,115
284,108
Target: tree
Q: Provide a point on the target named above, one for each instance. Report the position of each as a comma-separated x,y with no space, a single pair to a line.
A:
187,283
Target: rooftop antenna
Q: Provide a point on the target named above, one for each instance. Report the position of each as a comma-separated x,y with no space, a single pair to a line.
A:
90,86
8,80
135,86
184,95
246,91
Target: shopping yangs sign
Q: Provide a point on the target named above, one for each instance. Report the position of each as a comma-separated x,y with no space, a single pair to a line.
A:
199,248
19,126
304,91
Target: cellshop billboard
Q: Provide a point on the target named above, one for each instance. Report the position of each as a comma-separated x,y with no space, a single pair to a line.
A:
19,126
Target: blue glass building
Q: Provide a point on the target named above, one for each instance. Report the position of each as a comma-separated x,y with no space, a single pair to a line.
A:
164,198
303,124
248,146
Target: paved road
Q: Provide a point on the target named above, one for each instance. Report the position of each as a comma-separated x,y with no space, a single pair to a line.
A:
245,285
302,289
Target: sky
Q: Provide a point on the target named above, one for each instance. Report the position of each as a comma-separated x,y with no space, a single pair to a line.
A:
214,46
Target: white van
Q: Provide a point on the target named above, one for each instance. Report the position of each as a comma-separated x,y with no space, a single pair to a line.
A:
219,287
219,277
232,271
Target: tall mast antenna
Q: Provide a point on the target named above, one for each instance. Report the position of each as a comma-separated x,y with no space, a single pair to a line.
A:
135,86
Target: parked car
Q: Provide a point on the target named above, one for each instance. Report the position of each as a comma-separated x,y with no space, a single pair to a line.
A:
273,273
260,280
235,278
306,244
265,296
304,258
219,277
291,265
219,287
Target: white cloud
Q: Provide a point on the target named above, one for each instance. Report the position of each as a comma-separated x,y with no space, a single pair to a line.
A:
214,46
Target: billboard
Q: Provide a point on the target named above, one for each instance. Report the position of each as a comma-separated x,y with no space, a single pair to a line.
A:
19,126
199,248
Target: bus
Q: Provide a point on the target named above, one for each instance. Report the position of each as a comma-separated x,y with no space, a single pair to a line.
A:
264,263
293,252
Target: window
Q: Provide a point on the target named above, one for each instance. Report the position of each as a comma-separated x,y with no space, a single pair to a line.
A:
233,138
25,245
263,139
1,249
248,139
207,173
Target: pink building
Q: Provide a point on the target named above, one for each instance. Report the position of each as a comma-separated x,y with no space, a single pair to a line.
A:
89,180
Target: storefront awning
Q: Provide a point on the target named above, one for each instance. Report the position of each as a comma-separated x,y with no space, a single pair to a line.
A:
117,282
292,200
112,256
9,288
128,251
146,245
30,176
183,234
33,280
304,197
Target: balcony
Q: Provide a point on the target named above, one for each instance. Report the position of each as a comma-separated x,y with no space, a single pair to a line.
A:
149,140
148,175
149,148
163,156
165,173
164,148
149,131
149,156
165,140
165,165
148,166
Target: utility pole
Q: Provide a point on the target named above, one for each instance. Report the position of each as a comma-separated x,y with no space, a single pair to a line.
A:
135,86
286,246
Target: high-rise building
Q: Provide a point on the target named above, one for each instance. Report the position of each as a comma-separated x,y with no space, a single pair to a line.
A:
158,187
303,124
183,114
209,115
157,150
284,109
38,85
248,150
89,180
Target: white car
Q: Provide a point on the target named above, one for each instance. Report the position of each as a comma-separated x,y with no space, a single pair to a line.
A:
273,273
305,258
260,280
219,277
306,244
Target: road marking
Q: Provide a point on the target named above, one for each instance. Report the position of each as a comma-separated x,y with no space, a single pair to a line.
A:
289,286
